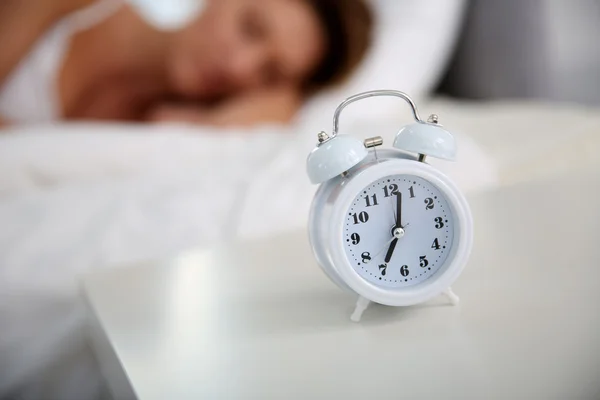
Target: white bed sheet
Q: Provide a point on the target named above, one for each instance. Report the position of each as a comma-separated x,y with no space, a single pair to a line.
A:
74,198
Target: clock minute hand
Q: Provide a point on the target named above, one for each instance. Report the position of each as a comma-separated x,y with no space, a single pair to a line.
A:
399,210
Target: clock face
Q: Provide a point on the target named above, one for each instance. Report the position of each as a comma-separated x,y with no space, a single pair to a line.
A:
398,231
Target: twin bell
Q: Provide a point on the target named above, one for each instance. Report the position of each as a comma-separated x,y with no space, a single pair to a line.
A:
336,154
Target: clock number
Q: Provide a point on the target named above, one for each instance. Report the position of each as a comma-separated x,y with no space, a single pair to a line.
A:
366,257
438,223
412,192
435,245
404,270
355,238
429,202
368,200
393,190
423,261
362,217
382,269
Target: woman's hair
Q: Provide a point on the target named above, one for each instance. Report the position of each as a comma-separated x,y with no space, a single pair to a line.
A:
348,28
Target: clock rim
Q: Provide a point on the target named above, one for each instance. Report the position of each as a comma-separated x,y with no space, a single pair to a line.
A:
446,274
317,236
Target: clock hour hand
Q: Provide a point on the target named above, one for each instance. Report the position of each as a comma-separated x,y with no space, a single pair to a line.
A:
388,255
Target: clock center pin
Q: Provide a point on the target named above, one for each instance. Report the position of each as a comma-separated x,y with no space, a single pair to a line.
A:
397,232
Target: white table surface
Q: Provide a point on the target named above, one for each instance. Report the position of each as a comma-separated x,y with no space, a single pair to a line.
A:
261,321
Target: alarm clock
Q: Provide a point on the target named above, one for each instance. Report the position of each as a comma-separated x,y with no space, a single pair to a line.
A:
384,224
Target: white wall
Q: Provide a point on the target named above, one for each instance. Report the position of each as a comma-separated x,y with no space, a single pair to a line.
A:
529,48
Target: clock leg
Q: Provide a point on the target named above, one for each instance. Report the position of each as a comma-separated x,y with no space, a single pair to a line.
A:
453,298
361,306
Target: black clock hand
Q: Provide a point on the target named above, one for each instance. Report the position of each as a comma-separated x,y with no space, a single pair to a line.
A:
399,210
388,255
390,252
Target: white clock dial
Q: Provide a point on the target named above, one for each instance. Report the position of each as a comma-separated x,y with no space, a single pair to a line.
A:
419,216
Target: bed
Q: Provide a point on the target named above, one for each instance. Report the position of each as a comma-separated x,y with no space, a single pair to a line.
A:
80,197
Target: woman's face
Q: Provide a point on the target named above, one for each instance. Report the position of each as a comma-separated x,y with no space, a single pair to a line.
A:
239,45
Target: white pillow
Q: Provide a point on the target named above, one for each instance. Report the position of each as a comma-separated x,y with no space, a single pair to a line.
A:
412,46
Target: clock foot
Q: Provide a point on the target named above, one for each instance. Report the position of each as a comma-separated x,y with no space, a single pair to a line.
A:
453,298
361,306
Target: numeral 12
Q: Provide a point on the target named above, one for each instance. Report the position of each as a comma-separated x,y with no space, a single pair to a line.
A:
392,191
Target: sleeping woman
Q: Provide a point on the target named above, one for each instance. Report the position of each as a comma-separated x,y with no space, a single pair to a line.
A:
240,62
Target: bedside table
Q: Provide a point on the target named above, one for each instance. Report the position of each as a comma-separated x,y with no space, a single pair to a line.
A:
259,320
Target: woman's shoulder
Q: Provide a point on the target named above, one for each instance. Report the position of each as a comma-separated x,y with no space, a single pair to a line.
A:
56,9
28,65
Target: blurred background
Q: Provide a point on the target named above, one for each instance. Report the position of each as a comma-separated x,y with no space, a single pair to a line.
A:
516,81
541,49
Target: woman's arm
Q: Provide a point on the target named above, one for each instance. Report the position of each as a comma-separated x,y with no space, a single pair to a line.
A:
277,105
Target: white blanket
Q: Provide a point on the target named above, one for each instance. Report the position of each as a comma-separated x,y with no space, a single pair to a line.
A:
74,198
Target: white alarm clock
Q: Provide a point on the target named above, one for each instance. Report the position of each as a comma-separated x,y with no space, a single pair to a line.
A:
384,224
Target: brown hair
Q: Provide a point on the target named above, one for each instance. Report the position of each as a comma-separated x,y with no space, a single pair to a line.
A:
348,28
